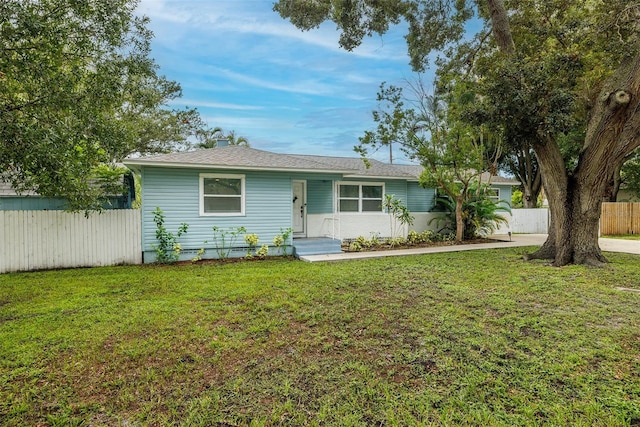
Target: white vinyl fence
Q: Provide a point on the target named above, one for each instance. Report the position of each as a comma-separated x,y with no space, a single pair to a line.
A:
34,240
532,221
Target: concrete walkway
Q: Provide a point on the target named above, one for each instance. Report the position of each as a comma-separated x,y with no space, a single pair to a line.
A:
502,241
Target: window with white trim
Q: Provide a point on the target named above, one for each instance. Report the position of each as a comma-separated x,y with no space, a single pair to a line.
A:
221,194
356,197
493,194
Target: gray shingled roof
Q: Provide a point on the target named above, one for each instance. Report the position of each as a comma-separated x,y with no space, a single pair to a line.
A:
237,157
240,157
359,168
231,157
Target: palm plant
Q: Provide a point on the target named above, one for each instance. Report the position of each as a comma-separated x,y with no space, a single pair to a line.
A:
480,213
483,216
208,138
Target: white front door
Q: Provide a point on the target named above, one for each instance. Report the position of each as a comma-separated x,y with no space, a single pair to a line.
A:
299,207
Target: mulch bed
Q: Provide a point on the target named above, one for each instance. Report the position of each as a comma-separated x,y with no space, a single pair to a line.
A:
387,247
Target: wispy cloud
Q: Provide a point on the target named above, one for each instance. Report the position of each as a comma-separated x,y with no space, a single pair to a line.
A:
217,105
305,86
227,17
248,70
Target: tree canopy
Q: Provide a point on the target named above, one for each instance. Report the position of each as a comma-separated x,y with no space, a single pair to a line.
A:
562,77
78,91
452,152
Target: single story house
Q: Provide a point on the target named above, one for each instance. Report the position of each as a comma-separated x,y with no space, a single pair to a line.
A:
316,196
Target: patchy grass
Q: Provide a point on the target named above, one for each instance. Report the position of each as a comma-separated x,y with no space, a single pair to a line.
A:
623,237
469,338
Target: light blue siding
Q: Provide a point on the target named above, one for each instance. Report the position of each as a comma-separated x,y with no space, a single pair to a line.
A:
505,192
31,203
398,189
14,202
319,196
420,199
36,203
176,192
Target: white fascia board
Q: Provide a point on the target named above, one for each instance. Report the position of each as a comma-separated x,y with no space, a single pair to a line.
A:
402,178
229,167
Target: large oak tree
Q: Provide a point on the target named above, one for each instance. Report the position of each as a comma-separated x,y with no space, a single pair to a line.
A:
593,46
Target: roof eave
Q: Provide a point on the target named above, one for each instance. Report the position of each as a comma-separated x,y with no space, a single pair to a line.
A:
130,163
357,176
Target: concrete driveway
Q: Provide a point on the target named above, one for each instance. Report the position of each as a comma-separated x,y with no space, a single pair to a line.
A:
607,245
502,241
620,245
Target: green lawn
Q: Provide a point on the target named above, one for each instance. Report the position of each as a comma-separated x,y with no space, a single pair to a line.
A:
470,338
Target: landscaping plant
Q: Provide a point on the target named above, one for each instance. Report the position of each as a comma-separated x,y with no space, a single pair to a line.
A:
280,241
252,241
168,249
399,215
225,240
480,214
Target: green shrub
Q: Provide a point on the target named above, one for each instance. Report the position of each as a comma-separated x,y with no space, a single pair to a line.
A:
280,240
168,249
225,239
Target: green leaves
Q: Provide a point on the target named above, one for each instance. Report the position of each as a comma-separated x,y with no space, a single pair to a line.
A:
167,249
77,90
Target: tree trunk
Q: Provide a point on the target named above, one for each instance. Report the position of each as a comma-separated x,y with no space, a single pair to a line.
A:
574,225
529,201
531,191
533,183
613,132
459,219
614,187
575,199
500,26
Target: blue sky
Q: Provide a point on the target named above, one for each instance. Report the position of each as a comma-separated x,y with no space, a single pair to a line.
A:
248,70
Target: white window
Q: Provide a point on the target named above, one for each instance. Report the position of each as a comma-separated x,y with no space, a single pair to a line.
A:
221,194
493,194
355,197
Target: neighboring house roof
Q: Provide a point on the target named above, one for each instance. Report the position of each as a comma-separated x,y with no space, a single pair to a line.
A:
416,170
235,157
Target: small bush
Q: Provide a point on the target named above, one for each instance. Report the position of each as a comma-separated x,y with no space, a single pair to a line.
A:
361,243
225,239
396,241
355,246
263,251
280,240
168,249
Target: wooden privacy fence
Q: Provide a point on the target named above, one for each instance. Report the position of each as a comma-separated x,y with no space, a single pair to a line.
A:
620,218
34,240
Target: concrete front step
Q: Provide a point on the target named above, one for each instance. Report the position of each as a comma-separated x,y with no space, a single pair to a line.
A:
316,246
